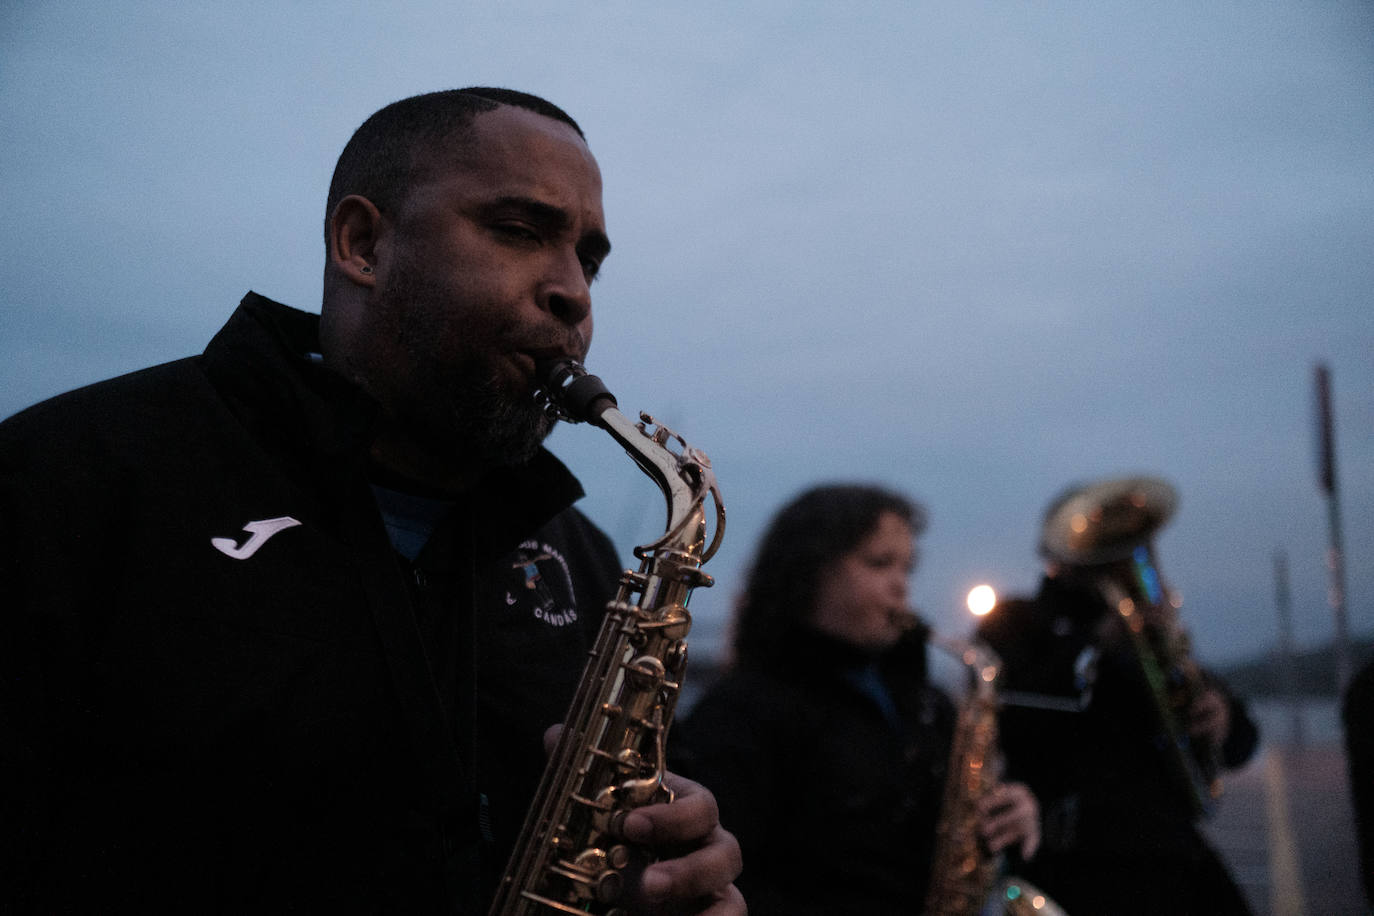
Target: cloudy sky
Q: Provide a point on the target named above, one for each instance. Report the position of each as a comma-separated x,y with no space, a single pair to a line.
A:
974,251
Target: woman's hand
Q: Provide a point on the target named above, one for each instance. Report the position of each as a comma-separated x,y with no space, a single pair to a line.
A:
1010,815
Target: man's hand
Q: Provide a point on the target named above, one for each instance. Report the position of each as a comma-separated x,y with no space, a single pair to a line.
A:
700,859
1008,815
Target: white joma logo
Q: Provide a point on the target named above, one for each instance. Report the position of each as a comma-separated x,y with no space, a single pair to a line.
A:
258,533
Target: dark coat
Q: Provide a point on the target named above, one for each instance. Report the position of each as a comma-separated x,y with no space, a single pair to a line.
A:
1357,720
833,801
1120,829
188,724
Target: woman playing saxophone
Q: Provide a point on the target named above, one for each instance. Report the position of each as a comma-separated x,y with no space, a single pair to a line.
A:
826,744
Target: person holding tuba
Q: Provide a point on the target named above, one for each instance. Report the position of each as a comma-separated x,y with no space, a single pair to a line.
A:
1107,716
825,742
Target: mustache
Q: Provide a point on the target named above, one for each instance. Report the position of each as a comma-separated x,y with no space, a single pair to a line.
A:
551,345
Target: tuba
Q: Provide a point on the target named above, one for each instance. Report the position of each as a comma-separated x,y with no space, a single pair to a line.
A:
1107,527
965,878
610,757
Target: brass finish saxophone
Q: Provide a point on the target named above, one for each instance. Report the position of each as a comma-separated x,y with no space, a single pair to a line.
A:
610,757
965,878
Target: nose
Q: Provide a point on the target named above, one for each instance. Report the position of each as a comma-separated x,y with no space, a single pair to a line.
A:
567,292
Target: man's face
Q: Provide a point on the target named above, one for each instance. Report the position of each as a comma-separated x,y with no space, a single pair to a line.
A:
485,267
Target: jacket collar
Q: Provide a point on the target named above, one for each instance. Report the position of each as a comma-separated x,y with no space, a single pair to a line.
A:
320,424
808,654
310,417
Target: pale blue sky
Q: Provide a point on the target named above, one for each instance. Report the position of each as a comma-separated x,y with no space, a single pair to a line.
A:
974,251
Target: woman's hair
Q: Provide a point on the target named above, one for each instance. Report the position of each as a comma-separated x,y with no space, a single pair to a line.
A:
800,546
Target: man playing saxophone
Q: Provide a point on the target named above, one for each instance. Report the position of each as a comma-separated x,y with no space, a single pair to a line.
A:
1110,719
826,743
285,623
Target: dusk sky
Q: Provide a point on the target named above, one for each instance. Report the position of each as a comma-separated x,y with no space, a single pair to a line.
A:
972,251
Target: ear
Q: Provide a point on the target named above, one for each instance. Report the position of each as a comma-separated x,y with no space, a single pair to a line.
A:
355,227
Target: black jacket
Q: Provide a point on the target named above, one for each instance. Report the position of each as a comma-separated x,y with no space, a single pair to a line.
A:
195,718
834,801
1079,727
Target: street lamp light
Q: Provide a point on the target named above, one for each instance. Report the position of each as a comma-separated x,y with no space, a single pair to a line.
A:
981,600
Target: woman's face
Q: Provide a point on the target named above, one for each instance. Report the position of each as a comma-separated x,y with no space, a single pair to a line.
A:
862,599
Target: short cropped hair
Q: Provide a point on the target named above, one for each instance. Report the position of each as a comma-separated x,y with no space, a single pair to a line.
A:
388,153
802,544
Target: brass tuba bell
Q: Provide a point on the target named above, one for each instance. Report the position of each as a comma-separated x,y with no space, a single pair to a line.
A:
1103,522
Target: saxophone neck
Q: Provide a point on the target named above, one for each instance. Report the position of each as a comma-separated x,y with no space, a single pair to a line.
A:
683,473
982,663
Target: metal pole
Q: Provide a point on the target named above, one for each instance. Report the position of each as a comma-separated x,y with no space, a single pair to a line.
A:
1335,555
1288,686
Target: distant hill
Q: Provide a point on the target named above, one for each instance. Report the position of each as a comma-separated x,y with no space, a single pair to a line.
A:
1313,671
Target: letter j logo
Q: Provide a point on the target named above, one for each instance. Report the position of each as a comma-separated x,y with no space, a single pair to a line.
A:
258,533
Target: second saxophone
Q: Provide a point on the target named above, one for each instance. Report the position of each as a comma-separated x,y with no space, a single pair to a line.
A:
966,879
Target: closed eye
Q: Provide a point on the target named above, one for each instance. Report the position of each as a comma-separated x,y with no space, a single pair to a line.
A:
885,561
526,221
517,232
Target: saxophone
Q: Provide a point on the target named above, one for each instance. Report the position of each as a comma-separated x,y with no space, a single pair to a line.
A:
610,757
965,878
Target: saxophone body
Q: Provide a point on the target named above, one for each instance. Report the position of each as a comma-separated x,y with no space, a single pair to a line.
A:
610,757
966,879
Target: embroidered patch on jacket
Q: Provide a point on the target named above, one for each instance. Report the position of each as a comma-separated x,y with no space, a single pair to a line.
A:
541,584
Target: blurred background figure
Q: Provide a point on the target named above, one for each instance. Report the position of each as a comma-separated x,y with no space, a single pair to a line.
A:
1357,718
825,742
1108,718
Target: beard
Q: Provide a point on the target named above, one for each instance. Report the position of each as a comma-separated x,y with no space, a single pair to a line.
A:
452,394
492,425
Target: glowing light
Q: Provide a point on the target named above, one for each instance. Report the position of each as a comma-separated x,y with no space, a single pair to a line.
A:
981,599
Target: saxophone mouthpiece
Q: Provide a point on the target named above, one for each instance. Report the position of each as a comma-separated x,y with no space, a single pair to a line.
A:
573,394
904,619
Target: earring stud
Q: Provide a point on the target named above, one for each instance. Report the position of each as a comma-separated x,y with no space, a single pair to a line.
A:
366,268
